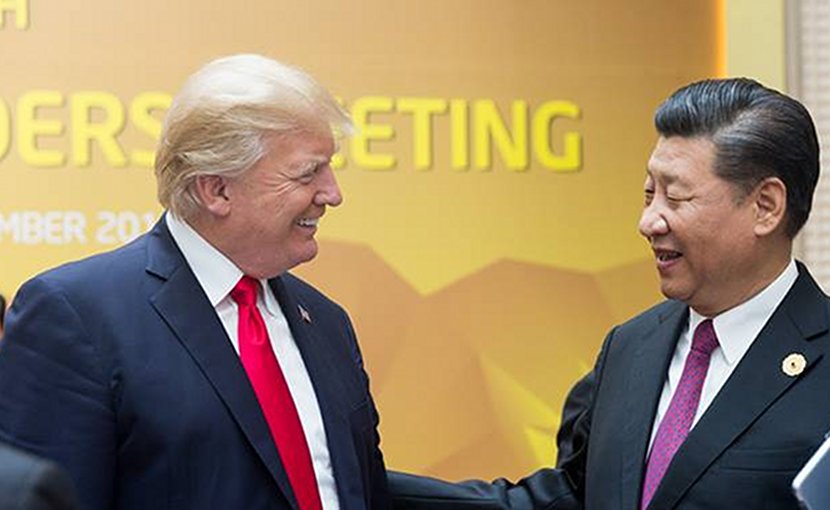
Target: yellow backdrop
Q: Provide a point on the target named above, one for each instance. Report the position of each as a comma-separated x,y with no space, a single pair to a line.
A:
488,235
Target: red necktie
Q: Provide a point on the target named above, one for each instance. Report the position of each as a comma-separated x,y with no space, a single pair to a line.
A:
274,397
681,412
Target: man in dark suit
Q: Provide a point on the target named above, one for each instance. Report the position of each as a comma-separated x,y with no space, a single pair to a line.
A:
30,483
716,397
2,314
188,369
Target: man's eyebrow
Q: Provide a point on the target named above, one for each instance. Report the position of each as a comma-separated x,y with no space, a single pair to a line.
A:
670,177
665,177
305,165
310,160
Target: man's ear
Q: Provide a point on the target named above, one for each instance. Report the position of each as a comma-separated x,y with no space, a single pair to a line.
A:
211,190
770,205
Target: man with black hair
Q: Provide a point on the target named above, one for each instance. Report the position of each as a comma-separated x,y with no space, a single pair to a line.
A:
716,397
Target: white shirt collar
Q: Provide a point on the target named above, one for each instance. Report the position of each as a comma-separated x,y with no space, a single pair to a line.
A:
737,327
216,273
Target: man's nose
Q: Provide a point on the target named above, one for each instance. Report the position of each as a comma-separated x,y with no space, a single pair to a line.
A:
329,192
652,223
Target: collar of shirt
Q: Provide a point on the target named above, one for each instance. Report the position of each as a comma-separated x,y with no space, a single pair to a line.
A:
737,327
216,273
736,330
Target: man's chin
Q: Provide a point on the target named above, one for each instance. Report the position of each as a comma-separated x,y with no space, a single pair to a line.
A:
673,291
307,254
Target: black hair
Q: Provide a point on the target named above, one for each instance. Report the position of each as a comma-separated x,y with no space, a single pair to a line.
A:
757,132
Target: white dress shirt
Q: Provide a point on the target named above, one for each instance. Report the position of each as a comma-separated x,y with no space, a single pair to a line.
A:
736,329
217,276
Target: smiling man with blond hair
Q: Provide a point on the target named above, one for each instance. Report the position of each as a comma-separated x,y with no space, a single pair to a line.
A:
190,369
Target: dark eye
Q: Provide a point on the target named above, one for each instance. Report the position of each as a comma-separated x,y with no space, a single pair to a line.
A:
649,196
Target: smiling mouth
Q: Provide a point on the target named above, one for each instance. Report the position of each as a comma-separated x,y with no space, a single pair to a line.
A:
666,258
308,222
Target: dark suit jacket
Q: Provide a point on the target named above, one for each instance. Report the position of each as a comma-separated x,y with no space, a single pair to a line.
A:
742,454
118,368
30,483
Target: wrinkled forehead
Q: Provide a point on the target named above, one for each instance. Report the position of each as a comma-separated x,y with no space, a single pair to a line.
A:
299,148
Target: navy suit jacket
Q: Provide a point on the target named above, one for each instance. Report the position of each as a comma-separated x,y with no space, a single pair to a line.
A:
118,368
743,453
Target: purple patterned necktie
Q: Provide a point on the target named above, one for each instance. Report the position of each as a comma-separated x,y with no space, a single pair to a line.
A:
678,418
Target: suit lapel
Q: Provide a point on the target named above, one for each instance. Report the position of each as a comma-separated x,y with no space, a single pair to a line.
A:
319,358
757,382
648,373
183,305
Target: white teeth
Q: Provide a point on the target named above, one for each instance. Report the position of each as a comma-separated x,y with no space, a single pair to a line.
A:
308,222
667,256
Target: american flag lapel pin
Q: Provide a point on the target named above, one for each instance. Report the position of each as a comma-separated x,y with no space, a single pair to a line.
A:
304,314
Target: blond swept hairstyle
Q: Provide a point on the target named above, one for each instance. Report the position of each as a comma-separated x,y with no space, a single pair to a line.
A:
216,123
